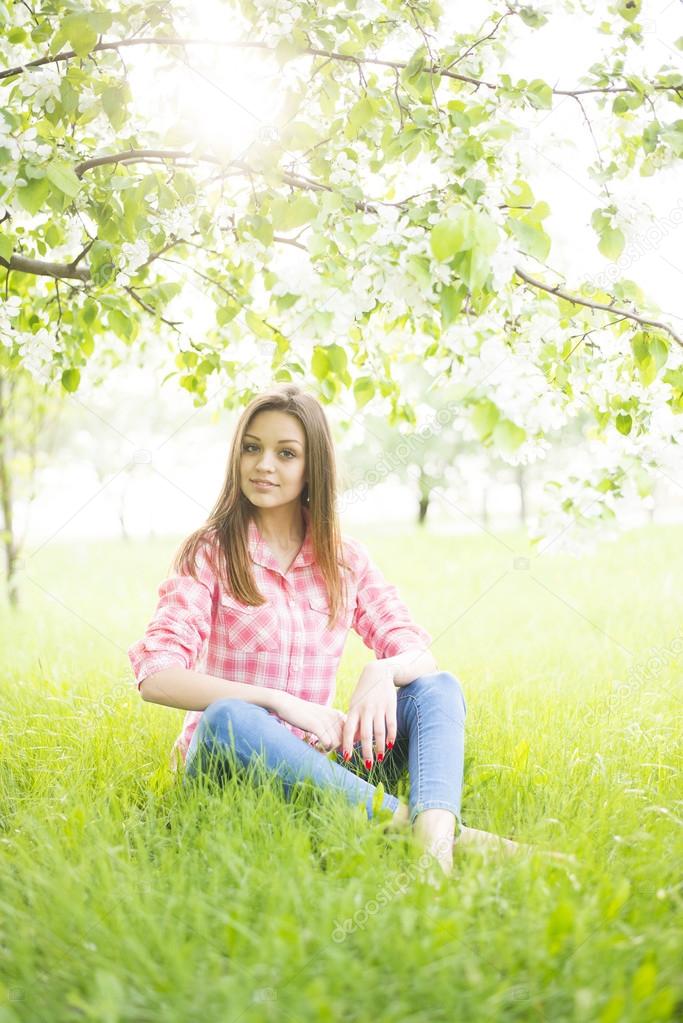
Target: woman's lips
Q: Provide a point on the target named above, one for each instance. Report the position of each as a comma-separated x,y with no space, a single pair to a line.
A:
263,484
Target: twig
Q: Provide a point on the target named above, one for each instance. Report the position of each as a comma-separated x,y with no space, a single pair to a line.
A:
578,300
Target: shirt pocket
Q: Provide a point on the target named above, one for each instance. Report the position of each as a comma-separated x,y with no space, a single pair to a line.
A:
320,639
250,628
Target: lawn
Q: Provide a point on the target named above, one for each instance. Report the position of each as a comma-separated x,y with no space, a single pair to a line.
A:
126,898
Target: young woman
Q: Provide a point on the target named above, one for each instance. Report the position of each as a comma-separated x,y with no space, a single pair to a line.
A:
262,599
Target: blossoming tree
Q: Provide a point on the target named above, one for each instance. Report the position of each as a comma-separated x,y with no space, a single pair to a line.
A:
388,174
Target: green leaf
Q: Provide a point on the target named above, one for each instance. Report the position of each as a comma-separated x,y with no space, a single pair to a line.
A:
474,266
80,33
71,378
650,354
114,104
647,370
6,247
450,303
531,17
519,193
226,313
659,351
337,358
673,136
32,196
301,211
540,94
533,241
420,269
287,214
447,238
257,324
416,63
507,436
361,113
262,229
320,365
484,231
64,178
186,360
628,9
286,301
611,243
299,135
624,423
102,267
121,324
363,391
89,311
485,415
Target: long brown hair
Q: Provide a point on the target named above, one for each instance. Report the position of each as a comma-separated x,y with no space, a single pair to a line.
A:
226,529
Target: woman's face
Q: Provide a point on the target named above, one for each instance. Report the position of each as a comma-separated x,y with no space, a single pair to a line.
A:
273,449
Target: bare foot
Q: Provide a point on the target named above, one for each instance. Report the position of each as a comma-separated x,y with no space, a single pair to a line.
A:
473,838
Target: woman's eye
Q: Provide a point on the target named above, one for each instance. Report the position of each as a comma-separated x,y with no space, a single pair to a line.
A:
284,450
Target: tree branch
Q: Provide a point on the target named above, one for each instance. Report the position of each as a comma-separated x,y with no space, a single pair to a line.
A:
149,309
138,156
142,155
478,42
577,300
69,271
289,241
314,51
42,268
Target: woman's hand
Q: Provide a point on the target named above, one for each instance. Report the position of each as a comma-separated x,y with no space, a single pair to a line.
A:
372,712
325,722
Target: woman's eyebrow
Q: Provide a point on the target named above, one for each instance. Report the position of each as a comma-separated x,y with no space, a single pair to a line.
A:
290,440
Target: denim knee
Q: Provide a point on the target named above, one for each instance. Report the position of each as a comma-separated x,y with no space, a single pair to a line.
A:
226,709
439,684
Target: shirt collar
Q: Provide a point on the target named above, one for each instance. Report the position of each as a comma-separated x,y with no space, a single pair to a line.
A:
261,553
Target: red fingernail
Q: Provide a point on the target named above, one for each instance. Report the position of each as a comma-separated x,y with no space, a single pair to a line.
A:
368,764
347,756
390,745
380,757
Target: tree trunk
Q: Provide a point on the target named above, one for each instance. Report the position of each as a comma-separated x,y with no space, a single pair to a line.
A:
8,538
521,483
485,507
422,509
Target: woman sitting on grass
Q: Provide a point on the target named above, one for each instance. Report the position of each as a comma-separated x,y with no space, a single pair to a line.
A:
263,596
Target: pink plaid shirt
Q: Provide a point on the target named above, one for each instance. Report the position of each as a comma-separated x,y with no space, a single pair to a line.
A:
285,643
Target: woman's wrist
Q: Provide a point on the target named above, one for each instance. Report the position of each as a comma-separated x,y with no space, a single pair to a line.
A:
279,702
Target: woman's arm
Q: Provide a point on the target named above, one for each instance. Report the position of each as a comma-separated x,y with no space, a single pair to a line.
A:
409,665
193,690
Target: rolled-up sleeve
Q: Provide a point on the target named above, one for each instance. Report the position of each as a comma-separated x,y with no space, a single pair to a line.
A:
180,627
381,618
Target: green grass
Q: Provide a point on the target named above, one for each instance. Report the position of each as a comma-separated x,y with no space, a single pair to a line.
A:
124,898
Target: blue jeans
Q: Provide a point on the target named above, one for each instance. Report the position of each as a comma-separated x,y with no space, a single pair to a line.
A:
430,742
